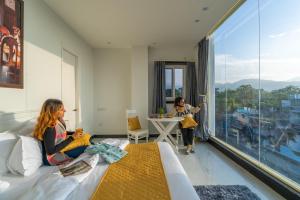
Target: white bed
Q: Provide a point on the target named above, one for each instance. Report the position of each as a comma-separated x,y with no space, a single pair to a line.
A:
179,184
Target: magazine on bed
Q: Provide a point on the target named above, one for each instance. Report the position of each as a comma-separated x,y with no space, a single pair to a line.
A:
76,168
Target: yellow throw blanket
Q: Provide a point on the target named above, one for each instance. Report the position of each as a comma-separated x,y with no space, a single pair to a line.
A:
139,175
82,141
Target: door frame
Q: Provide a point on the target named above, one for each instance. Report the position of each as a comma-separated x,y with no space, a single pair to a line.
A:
77,103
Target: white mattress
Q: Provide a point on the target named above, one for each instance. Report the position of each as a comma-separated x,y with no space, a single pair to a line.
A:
18,185
179,184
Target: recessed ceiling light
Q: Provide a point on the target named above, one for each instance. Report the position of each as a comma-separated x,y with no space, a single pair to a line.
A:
205,8
108,42
197,20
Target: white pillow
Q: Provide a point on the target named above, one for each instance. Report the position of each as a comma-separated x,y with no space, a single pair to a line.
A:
7,142
26,157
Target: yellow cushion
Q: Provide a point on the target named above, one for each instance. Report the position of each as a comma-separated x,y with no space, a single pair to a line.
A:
189,122
134,123
82,141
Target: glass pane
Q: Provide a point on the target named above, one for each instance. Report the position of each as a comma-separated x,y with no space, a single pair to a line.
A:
169,82
280,86
238,51
178,82
242,77
220,88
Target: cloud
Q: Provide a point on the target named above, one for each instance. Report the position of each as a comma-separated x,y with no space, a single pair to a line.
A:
282,69
297,30
286,33
279,35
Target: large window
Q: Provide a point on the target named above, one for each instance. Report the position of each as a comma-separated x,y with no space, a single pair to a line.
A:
257,83
174,81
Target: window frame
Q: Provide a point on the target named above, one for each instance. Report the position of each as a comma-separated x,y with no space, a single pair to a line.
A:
173,67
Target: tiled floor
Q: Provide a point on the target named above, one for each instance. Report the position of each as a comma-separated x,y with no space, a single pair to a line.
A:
208,166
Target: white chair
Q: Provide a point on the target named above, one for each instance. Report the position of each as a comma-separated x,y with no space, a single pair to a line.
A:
136,134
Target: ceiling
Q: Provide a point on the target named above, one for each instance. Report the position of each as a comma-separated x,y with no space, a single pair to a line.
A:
126,23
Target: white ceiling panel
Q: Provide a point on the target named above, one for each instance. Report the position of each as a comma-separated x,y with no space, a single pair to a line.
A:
126,23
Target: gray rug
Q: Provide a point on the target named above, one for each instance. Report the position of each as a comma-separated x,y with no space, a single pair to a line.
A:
225,192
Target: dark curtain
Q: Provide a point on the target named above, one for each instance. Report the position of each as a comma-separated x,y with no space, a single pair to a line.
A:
159,96
202,117
191,94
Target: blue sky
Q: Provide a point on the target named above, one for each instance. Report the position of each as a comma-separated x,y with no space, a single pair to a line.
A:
236,42
178,79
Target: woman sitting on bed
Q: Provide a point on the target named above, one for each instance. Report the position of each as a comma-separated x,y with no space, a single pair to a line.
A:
51,131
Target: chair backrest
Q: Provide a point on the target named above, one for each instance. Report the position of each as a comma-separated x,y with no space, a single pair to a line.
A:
130,113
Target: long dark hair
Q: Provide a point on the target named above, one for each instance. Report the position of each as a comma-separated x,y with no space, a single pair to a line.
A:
177,101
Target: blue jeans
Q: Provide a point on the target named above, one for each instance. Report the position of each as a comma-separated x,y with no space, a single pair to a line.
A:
74,153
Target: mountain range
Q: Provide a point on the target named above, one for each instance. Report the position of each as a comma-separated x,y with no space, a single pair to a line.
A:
267,85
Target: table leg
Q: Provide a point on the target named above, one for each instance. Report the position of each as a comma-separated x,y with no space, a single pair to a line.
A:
160,128
165,133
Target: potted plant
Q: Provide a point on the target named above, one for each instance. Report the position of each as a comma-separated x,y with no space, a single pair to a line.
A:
161,112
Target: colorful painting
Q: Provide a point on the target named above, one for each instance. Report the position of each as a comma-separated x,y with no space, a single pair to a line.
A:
11,43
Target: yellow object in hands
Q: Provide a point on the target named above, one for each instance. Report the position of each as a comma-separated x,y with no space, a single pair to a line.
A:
82,141
79,130
188,122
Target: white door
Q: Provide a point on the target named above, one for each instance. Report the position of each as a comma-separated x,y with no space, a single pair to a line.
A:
68,75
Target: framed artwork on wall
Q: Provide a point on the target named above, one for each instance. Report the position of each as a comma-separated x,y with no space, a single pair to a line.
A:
11,43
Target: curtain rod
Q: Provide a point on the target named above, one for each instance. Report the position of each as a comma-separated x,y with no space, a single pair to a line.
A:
176,62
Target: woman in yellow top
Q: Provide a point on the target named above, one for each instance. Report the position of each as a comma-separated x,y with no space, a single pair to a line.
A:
181,109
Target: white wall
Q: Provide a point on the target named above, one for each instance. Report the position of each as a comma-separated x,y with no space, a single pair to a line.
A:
112,90
139,82
123,78
45,35
121,82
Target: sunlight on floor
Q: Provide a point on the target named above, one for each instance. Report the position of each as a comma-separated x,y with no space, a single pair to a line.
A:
208,166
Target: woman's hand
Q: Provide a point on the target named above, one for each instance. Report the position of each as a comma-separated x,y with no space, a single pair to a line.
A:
196,109
78,133
80,130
